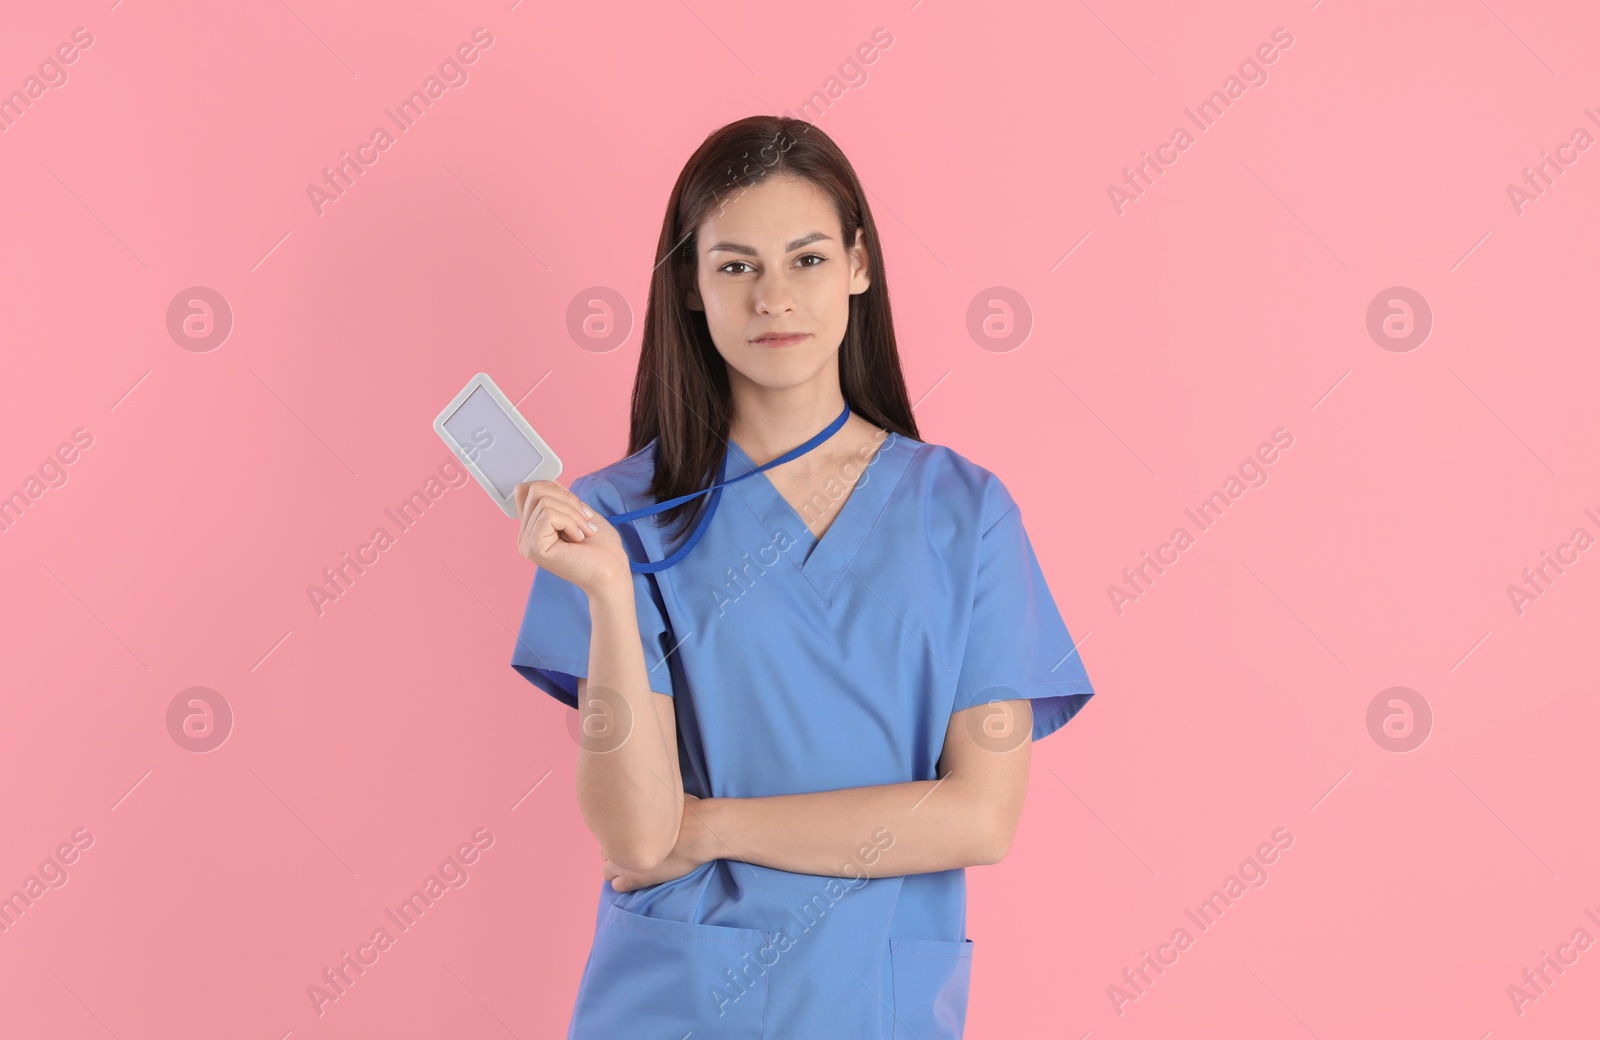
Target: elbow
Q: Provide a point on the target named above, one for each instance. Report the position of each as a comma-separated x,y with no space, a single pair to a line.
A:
633,837
636,861
995,846
995,818
638,854
995,829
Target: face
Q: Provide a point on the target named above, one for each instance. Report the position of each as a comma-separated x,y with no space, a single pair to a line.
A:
772,260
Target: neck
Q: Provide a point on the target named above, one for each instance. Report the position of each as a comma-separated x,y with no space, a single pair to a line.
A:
768,422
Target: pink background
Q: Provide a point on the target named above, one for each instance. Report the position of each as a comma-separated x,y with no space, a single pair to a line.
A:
1164,344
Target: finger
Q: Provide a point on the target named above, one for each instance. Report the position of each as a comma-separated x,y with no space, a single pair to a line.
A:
548,490
548,513
549,493
540,540
561,519
569,497
537,490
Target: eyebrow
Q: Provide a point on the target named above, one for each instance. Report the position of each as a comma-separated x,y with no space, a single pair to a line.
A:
733,247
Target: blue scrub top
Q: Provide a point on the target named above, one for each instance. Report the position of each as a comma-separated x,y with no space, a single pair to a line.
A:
800,665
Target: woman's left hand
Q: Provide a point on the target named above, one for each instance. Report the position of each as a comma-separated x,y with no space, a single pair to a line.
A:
686,855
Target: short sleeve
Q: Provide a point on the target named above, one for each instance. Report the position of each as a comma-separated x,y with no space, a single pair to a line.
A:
552,648
1017,645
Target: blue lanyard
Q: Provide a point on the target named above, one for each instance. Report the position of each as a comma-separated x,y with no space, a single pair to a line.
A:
716,495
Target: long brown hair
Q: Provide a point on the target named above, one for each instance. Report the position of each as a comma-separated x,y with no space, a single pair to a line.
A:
681,398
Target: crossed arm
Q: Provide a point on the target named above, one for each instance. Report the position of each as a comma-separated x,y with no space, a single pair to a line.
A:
632,798
965,818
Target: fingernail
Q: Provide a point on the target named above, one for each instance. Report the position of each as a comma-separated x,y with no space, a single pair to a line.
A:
587,511
592,527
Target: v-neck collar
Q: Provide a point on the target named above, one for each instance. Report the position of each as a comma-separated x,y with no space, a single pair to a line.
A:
822,562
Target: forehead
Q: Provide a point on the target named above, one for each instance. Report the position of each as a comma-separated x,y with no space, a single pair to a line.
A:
770,215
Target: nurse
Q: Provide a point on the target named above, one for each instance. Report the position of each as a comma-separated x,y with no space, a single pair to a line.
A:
807,690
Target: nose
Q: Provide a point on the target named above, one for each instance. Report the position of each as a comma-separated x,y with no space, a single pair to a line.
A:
773,294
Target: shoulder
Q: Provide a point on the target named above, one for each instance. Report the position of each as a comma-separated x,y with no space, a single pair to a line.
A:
945,476
620,485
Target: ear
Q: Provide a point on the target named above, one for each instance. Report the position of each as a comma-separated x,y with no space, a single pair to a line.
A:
860,262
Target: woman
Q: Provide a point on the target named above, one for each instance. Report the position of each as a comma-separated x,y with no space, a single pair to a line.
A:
797,735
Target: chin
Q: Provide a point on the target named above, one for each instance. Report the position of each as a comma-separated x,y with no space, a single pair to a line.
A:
781,375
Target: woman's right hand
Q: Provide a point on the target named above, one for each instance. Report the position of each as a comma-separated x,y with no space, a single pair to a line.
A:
556,535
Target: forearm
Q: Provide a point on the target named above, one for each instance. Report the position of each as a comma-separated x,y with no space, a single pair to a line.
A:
888,830
629,792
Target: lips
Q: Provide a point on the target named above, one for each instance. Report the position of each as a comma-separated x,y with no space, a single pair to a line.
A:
782,341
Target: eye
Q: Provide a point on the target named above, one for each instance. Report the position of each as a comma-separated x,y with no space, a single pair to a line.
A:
819,258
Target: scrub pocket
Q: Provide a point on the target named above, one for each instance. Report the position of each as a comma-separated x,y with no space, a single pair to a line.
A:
651,977
931,980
